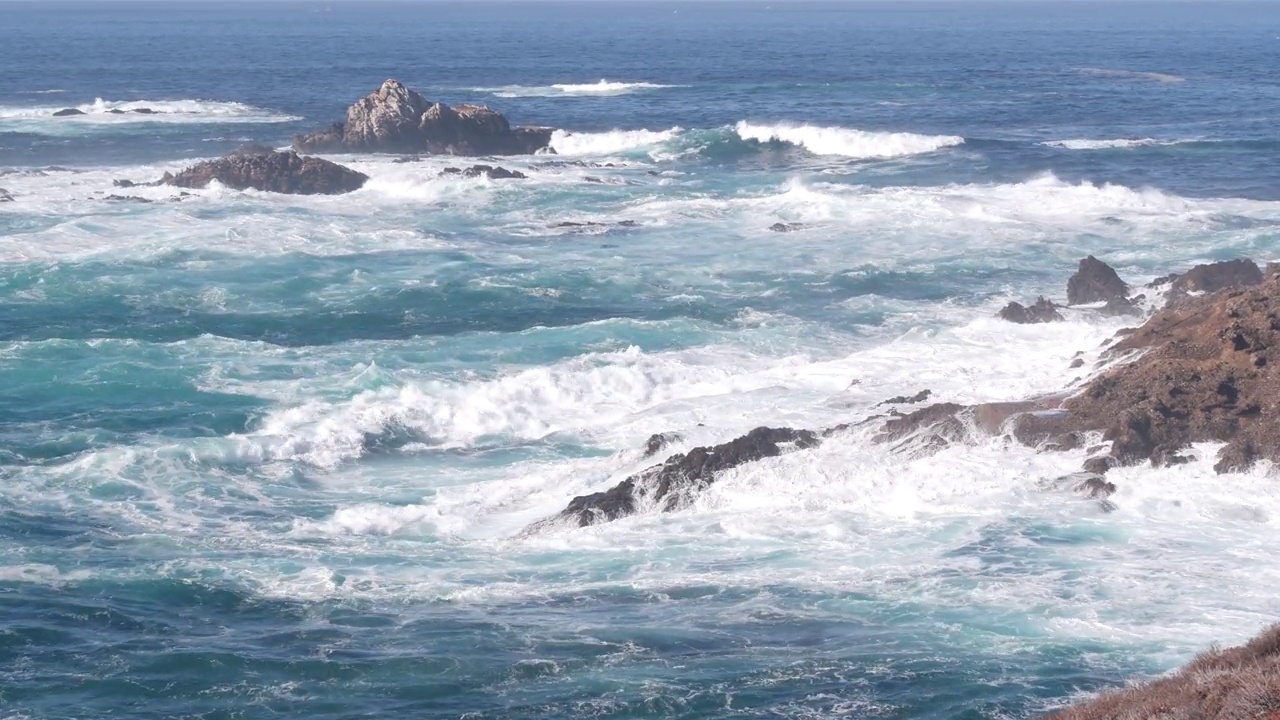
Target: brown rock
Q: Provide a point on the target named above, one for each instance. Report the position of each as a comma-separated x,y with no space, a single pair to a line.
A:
1042,311
397,119
1218,276
269,171
1095,281
675,482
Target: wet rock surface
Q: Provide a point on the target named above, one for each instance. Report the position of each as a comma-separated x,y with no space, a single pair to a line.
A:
396,119
671,485
269,171
1042,311
486,171
1095,281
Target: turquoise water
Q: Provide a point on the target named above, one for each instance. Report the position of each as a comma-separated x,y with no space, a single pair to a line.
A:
276,456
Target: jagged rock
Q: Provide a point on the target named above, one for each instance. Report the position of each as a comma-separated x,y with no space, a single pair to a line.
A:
5,195
1095,486
1121,307
1203,373
907,399
1095,281
270,171
127,198
397,119
592,224
489,171
671,485
786,227
1218,276
1042,311
1163,280
926,429
1099,465
660,441
69,112
1077,363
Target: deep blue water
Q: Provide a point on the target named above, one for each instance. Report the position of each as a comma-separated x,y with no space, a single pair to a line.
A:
272,456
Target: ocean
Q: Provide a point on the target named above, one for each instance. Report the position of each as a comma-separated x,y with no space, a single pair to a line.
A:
268,456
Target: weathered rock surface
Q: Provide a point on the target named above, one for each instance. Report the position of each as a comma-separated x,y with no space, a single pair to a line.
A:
671,485
1206,373
396,119
68,112
907,399
1042,311
660,441
488,171
269,171
1095,281
1217,276
1235,684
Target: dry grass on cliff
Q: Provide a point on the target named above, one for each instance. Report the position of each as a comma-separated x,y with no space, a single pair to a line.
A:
1241,683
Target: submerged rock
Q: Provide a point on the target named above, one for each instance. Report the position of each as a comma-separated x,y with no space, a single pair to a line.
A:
69,112
488,171
660,441
671,485
269,171
5,196
1095,281
786,227
907,399
1042,311
397,119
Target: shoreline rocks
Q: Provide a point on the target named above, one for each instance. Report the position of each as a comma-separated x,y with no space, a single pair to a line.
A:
270,171
396,119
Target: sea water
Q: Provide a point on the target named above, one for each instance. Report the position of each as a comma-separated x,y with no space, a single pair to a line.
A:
274,456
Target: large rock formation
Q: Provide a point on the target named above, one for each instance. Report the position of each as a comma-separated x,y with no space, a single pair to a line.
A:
395,119
270,171
1041,311
1241,683
671,485
1095,281
1200,370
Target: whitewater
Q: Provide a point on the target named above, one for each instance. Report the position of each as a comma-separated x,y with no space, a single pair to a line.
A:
280,455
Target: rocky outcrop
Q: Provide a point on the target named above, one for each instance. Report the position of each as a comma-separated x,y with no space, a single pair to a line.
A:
1241,683
486,171
907,399
5,196
396,119
1200,370
1217,276
661,441
1042,311
68,112
786,227
1095,281
671,485
269,171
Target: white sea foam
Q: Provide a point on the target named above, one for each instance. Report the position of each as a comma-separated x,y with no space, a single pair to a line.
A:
106,113
612,142
1117,143
846,142
1133,75
603,88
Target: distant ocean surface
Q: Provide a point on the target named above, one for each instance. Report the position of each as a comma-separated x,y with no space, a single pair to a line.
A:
265,456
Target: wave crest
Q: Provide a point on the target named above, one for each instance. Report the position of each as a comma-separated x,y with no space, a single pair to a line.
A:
603,88
611,142
846,142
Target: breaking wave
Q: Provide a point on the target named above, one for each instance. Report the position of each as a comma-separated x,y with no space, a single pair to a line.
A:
137,111
846,142
603,88
1119,143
